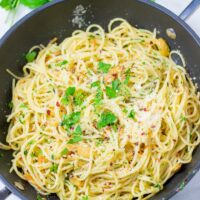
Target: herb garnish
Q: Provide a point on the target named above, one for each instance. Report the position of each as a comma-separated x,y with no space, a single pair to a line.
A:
112,91
132,114
30,56
104,67
69,92
77,135
70,120
107,118
64,152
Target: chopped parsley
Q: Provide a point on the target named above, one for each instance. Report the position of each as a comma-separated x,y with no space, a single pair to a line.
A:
85,198
39,197
183,118
70,120
77,135
69,92
132,114
1,155
22,105
31,142
25,152
30,56
99,94
104,67
158,186
98,97
21,119
107,118
99,142
79,98
60,64
10,105
96,84
111,92
64,152
127,73
54,167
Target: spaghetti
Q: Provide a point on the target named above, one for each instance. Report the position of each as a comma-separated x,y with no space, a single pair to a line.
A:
103,115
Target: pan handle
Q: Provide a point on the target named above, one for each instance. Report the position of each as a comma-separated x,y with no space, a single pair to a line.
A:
189,9
4,193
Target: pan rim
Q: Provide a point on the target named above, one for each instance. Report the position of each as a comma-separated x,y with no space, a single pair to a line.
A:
165,11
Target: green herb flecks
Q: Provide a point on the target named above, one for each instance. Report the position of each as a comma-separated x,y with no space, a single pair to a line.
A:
62,63
158,186
128,75
79,98
10,105
107,118
85,198
70,120
30,56
34,3
69,92
132,114
183,118
54,167
1,155
99,142
22,105
104,67
31,142
95,84
9,4
77,135
99,94
64,152
112,92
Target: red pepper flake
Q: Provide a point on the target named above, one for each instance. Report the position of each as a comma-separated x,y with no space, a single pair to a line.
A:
48,112
153,126
57,104
145,109
136,143
143,133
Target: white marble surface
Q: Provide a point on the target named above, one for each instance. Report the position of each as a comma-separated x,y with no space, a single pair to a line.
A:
192,190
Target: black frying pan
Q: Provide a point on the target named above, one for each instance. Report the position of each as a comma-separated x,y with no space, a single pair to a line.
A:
55,20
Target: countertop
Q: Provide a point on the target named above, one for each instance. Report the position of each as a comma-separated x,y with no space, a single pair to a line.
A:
192,189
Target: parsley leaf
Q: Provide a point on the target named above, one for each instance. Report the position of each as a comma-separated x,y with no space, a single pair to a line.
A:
1,155
111,92
22,105
34,3
85,198
69,92
54,168
70,120
107,118
104,67
127,73
10,105
9,4
64,152
96,84
183,118
98,97
77,135
30,56
132,114
64,62
79,98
